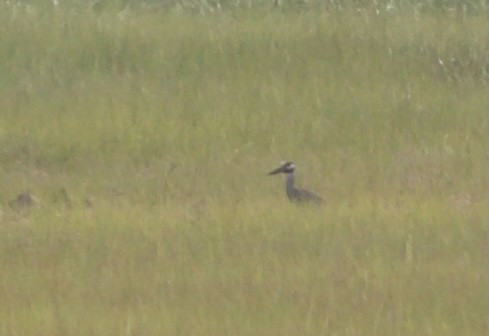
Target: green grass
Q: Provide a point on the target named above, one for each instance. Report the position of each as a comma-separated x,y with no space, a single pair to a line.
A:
147,140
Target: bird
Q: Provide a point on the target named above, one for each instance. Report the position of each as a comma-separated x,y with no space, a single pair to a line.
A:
295,195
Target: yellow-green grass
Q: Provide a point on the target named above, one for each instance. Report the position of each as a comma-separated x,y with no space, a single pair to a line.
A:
147,138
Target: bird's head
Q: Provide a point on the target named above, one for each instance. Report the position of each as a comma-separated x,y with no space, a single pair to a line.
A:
285,167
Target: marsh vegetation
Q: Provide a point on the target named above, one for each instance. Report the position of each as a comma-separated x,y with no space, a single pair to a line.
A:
146,137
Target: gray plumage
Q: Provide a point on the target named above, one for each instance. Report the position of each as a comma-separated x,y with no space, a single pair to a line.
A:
295,195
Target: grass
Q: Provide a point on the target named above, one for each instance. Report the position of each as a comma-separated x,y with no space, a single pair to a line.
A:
146,139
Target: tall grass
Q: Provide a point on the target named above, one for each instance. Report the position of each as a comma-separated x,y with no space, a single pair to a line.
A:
146,137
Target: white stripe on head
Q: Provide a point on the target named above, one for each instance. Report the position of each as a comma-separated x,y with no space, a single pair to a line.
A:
288,167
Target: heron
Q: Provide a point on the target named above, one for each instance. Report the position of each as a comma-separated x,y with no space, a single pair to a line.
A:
295,195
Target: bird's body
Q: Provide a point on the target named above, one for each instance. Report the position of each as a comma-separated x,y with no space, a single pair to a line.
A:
294,194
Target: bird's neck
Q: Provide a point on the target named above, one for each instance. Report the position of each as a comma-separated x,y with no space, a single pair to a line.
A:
289,182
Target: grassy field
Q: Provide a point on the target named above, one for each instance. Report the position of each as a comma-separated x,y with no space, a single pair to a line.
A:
146,136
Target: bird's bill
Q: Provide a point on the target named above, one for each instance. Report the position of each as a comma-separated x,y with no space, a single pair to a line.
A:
277,170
